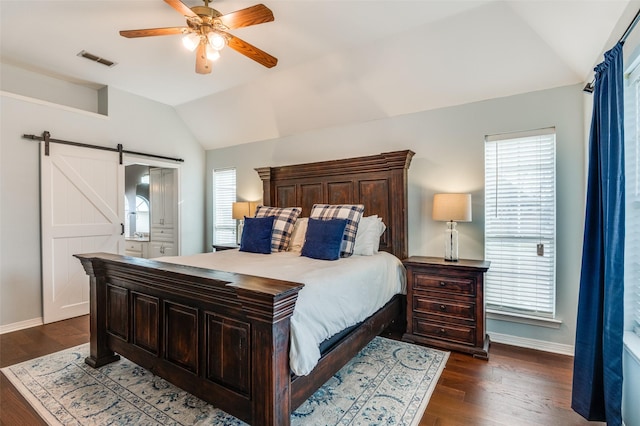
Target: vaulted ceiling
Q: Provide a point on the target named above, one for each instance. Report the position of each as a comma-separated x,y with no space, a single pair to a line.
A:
339,62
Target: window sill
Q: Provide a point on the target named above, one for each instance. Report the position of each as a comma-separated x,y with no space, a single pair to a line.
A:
632,344
524,319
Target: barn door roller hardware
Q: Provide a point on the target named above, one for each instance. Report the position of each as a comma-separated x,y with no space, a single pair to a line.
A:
46,138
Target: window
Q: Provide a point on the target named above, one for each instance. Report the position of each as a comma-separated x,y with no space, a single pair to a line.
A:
142,215
224,195
632,203
520,228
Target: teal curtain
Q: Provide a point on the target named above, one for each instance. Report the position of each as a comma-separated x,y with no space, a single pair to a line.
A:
597,371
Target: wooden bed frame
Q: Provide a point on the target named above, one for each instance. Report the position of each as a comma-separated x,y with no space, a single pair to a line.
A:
224,337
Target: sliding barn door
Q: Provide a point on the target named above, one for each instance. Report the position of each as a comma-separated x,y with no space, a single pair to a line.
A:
82,209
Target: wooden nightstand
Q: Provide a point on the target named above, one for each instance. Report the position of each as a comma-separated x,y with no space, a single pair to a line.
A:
220,247
445,304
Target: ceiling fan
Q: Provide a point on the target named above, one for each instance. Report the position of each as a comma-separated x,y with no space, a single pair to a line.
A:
206,32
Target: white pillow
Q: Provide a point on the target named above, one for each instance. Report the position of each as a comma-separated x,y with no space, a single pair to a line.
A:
297,236
368,235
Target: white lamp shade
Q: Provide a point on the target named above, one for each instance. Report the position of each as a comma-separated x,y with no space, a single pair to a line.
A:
452,207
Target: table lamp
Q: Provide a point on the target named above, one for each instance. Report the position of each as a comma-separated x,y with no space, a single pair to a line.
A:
451,208
240,210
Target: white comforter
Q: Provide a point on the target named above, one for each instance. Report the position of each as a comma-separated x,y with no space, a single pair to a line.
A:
336,294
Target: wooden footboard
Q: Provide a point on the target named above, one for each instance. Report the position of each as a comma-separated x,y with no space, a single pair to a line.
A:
222,337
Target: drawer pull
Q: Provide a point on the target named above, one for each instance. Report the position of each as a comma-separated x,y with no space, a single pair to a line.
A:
443,308
443,331
443,284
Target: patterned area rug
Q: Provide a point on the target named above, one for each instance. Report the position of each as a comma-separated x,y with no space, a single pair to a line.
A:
387,383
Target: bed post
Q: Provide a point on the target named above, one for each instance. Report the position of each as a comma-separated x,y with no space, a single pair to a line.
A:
271,378
265,175
99,352
398,162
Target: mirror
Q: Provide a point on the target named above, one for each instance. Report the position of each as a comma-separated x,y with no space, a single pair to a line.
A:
136,202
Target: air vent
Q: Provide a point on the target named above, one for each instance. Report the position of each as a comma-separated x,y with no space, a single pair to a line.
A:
98,59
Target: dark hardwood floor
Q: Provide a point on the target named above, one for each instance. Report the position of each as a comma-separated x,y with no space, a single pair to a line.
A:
31,343
515,387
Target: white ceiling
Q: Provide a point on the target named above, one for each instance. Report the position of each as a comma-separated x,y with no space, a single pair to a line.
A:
340,62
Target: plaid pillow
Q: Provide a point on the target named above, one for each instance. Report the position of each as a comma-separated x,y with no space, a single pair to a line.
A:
351,212
285,218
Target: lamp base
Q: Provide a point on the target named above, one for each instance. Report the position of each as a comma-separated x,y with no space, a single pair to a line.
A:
239,229
451,242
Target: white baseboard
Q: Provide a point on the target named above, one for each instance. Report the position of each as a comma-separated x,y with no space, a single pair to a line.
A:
540,345
8,328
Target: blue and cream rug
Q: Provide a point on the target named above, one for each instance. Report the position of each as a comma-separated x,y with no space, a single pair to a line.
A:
387,383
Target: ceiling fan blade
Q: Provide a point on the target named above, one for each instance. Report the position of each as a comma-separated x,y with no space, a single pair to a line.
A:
152,32
251,51
253,15
202,63
182,8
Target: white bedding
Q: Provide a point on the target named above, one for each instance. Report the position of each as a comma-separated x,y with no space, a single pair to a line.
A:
336,294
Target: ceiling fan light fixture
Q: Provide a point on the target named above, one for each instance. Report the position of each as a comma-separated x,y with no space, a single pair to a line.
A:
191,41
216,40
212,53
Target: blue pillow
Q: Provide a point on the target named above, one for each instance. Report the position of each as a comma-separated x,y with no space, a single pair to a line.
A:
324,238
256,235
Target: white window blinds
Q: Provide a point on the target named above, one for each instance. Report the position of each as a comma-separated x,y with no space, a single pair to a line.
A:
224,195
520,227
632,203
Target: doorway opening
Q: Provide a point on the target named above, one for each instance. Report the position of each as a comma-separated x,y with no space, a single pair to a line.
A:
152,214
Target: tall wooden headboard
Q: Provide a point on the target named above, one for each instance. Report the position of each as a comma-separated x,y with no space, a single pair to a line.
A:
379,182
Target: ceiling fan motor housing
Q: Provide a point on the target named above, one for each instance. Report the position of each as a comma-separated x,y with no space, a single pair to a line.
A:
206,12
208,20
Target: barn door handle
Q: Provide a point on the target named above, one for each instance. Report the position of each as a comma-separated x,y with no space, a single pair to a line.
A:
122,229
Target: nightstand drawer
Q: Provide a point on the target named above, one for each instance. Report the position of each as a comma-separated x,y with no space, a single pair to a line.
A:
444,284
424,305
426,328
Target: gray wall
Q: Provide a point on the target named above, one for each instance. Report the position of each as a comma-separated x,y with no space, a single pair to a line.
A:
37,86
449,147
139,124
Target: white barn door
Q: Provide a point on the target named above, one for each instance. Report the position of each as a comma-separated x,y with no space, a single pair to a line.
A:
82,209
